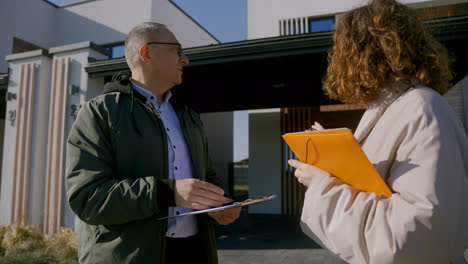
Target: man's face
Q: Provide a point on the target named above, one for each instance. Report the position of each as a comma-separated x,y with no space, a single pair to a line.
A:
166,62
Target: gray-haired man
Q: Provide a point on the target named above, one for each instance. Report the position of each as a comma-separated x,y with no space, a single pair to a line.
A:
134,155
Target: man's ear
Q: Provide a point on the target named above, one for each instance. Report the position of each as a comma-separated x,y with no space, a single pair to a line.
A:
143,54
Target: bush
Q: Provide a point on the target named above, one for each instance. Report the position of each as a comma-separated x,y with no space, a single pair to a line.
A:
23,239
63,245
27,244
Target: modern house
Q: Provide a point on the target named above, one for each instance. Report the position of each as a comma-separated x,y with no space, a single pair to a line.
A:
55,65
44,83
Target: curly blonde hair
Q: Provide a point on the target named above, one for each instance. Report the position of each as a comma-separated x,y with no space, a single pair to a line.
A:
383,42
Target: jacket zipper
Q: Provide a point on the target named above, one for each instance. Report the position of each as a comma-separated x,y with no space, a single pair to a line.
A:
161,126
184,130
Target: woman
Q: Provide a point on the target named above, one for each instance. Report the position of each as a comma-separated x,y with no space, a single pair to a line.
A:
383,57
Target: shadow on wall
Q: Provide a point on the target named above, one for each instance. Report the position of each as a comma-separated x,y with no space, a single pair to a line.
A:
75,28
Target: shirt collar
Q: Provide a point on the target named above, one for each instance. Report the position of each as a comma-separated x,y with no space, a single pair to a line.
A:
150,97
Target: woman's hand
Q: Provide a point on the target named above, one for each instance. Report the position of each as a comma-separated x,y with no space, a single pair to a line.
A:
316,127
305,172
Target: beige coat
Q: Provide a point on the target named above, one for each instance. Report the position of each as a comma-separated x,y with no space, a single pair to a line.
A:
419,147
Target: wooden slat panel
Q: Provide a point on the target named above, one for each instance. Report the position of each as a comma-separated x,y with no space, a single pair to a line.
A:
53,216
299,119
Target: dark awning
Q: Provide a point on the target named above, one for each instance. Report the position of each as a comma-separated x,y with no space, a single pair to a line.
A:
272,72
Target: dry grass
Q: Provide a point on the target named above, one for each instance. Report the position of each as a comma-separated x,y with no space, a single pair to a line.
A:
63,245
27,244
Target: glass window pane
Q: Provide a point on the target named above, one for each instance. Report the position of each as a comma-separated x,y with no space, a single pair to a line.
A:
321,25
118,51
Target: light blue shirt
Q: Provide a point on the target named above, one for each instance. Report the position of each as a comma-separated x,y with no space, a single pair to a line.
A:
180,166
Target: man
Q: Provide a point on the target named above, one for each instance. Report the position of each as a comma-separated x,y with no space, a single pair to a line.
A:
135,155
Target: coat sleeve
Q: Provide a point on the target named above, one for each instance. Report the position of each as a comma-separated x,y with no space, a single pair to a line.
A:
421,223
95,193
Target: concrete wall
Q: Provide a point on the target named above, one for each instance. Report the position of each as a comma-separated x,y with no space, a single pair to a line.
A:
30,20
263,15
219,132
24,145
265,159
189,33
111,20
77,54
102,22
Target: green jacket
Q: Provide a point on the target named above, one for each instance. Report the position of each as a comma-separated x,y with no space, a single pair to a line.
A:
117,176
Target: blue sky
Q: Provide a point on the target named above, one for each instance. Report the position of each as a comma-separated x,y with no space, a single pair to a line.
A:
226,20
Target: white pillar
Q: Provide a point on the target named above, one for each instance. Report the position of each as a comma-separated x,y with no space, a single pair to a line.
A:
70,88
220,134
265,159
23,172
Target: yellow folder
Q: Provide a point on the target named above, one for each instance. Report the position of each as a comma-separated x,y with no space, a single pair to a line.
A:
338,152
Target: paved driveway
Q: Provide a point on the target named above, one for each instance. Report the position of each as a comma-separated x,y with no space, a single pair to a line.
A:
260,238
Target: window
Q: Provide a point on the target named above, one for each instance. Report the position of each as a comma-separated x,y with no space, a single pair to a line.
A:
116,50
301,25
321,24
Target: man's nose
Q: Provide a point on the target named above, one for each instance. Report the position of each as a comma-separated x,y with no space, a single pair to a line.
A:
184,59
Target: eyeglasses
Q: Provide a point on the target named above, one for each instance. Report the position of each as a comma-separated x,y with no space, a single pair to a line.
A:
179,47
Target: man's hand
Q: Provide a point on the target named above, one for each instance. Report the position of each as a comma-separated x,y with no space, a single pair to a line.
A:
225,217
196,194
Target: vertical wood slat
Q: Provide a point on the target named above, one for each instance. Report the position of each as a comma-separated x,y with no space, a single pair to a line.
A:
16,185
55,165
284,173
292,120
28,139
50,147
61,144
21,154
288,185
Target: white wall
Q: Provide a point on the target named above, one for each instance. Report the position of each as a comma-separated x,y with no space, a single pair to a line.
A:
88,88
265,159
30,20
36,177
219,132
263,15
108,21
186,30
101,22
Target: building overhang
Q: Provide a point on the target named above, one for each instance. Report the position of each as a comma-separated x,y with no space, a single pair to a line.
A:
3,81
273,72
232,52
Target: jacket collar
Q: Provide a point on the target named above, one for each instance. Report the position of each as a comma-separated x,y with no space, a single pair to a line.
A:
377,108
121,83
